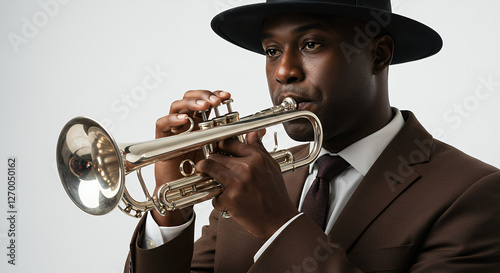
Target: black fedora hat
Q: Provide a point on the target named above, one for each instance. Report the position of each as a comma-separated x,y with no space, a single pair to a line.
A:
242,26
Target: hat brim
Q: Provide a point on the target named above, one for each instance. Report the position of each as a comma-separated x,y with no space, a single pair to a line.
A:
242,26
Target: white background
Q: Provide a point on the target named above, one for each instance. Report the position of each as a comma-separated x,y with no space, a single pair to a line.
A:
87,57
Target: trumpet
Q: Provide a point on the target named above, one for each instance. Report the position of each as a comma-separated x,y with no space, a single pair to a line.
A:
92,166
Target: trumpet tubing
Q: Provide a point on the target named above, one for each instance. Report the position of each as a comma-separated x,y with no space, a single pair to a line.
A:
92,166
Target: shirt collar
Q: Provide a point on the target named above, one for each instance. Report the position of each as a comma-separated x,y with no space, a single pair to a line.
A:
362,154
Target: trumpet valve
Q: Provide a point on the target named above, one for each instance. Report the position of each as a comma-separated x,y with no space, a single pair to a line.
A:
228,104
209,148
216,111
204,116
218,121
233,117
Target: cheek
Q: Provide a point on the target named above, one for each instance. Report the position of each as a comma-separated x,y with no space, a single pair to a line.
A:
344,92
343,80
326,69
272,84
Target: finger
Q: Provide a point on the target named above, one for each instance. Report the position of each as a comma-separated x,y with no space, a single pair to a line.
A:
213,168
189,105
206,94
223,95
202,97
234,147
219,204
217,169
198,100
166,124
262,133
254,139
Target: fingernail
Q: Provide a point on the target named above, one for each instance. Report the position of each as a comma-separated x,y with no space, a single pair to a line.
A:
181,116
214,98
224,93
200,102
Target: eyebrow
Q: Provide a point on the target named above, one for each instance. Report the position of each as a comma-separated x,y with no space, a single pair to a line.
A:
298,30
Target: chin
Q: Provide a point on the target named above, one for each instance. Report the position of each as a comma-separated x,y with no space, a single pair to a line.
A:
299,130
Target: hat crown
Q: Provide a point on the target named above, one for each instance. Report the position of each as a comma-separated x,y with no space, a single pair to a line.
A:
374,4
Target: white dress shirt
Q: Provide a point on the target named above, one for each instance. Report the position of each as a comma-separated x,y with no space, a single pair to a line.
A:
360,155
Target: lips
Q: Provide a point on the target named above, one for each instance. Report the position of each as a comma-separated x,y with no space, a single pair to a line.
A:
307,105
305,97
303,105
298,99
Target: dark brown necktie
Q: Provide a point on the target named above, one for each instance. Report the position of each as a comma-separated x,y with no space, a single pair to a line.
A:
317,201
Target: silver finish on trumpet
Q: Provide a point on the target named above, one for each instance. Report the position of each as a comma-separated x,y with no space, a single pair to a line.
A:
92,166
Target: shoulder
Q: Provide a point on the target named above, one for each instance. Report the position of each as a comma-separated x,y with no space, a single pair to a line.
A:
435,156
448,160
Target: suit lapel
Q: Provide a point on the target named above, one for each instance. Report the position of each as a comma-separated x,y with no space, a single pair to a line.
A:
389,176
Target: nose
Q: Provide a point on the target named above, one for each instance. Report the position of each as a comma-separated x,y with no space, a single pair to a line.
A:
289,69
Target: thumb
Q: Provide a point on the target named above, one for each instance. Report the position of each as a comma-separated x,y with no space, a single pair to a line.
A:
255,139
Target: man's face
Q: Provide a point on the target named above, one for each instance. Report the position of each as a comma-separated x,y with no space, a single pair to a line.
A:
305,61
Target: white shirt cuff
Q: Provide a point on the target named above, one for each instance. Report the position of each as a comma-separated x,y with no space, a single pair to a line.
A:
272,238
155,236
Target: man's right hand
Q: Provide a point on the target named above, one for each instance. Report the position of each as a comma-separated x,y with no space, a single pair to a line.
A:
174,123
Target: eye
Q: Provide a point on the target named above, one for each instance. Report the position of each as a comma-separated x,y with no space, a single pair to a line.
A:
271,52
311,45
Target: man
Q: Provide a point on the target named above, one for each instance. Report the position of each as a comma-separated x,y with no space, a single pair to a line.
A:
405,203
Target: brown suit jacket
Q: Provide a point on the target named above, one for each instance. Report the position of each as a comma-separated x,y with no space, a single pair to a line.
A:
424,206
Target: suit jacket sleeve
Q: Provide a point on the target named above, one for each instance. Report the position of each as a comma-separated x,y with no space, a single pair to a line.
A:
204,248
174,256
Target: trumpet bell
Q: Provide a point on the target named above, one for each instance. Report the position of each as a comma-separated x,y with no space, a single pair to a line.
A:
90,166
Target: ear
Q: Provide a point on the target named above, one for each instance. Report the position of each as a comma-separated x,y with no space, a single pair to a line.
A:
383,51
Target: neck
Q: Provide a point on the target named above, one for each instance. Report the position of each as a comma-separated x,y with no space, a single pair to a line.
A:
375,118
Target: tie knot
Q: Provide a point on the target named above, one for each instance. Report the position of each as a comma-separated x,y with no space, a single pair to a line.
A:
330,166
